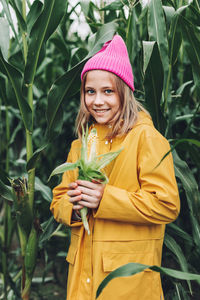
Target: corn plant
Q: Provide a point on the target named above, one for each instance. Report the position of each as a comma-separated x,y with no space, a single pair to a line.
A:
89,166
34,30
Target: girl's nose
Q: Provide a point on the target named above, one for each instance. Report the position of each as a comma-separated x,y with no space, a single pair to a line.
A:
98,100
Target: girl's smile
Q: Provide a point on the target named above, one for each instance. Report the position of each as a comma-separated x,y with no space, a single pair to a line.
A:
101,97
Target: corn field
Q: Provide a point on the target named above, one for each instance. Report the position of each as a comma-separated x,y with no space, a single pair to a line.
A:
42,52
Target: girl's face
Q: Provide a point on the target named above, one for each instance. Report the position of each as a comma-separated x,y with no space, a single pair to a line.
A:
101,97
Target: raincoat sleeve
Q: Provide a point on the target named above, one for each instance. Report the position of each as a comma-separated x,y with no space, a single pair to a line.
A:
60,207
156,198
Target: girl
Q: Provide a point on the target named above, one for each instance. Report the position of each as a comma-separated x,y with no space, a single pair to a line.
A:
127,216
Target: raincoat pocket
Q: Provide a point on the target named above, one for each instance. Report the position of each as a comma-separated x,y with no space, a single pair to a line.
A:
112,261
139,286
71,255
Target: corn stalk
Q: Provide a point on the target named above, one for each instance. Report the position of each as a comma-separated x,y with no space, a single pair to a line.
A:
6,218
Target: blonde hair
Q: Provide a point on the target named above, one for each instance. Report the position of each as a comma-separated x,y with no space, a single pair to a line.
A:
123,121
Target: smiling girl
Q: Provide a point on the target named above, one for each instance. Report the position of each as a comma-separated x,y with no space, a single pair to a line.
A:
127,216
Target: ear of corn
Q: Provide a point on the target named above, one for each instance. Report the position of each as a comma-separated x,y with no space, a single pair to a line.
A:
22,208
31,252
89,166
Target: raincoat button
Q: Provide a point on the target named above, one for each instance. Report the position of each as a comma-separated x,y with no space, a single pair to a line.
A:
88,280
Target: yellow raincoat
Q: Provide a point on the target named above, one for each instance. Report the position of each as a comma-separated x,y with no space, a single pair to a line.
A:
129,224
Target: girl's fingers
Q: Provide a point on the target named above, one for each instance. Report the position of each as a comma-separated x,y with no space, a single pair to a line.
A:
77,206
72,193
90,188
73,185
75,199
88,184
88,204
85,190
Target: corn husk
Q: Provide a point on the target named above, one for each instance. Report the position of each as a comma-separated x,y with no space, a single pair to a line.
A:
89,165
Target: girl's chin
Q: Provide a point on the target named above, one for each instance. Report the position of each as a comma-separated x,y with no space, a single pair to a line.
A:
103,122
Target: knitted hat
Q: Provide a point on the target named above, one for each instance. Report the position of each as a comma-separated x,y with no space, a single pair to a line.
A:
113,57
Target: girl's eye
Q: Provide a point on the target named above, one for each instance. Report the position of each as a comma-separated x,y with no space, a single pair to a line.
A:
108,91
90,92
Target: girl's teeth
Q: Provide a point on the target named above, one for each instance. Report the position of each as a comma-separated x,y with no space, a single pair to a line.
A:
101,110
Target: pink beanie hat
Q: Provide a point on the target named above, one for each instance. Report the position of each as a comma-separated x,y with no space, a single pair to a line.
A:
113,57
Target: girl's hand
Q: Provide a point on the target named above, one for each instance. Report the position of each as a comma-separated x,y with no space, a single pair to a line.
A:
75,196
91,193
86,193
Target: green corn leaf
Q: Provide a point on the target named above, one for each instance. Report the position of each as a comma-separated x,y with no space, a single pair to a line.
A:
4,37
3,89
6,191
175,39
153,83
31,164
77,55
169,13
91,173
63,88
15,78
196,229
89,9
115,5
175,230
106,158
8,16
135,268
181,293
192,46
42,29
194,14
104,34
48,229
131,37
189,183
63,168
190,187
183,86
172,245
157,32
33,14
20,19
43,189
192,141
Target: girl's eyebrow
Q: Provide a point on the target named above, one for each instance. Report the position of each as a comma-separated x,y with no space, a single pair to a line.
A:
103,87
